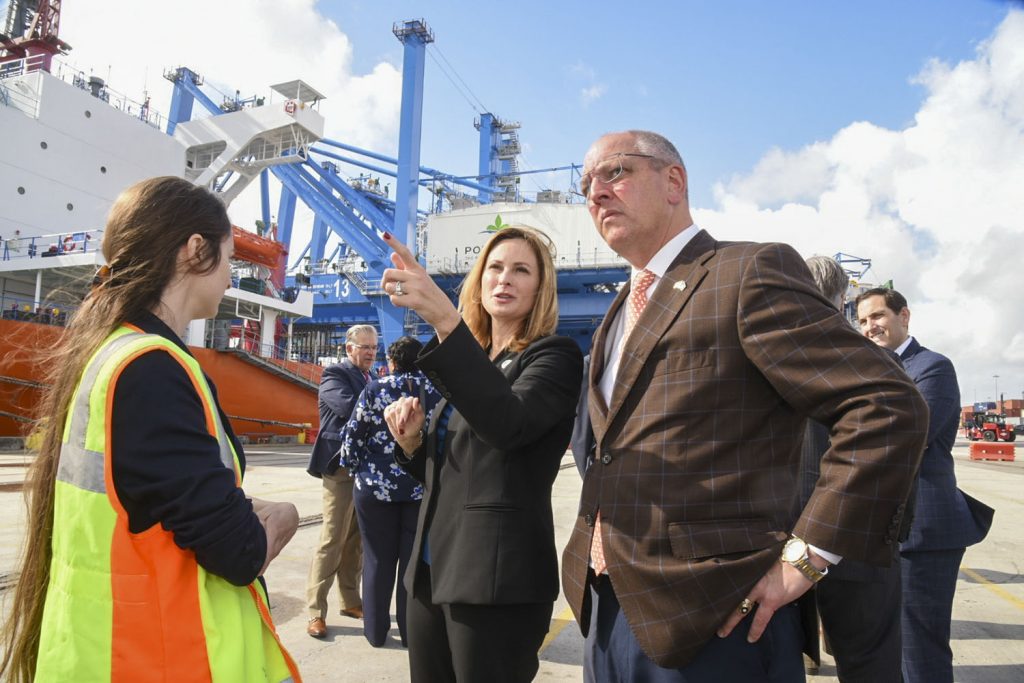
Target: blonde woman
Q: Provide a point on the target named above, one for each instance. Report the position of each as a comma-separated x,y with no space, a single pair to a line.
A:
143,551
484,572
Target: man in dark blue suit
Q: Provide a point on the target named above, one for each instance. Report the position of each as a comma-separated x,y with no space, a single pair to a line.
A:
946,519
340,552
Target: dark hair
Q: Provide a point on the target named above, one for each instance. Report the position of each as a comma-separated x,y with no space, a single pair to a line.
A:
146,228
403,353
894,301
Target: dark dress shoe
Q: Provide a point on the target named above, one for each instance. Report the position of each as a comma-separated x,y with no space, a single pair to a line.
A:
317,627
354,612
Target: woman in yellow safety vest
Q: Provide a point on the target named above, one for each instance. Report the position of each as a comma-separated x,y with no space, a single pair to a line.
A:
143,553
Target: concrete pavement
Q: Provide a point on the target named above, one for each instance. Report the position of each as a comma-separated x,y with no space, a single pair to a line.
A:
988,626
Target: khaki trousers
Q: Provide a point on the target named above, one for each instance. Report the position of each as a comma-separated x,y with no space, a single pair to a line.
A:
339,556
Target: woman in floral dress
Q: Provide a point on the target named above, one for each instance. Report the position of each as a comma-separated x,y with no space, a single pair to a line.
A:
387,499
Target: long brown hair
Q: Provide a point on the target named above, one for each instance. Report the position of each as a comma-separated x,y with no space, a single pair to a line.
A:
543,318
147,226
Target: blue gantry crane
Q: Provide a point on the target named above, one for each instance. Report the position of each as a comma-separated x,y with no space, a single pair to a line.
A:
355,211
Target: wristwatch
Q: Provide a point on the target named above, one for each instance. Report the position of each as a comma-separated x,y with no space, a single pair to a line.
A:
795,553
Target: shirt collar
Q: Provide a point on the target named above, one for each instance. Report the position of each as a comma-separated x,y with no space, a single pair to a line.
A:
903,347
660,262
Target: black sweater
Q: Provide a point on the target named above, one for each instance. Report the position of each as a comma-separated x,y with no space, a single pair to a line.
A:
167,467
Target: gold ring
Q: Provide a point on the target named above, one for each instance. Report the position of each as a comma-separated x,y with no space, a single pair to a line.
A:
746,606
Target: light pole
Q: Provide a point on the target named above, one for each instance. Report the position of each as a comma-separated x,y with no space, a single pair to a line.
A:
1000,403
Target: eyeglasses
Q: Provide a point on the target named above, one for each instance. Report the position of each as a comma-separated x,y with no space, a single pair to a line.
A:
365,347
607,170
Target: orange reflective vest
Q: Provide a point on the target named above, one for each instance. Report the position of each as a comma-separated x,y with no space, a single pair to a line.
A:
136,607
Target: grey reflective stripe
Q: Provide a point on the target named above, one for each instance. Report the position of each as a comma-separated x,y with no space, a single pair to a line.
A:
80,467
226,456
84,468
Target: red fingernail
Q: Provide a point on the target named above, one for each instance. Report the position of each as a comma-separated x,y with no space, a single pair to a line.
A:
387,235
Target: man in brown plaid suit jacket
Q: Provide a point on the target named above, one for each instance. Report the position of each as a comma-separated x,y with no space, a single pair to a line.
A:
698,418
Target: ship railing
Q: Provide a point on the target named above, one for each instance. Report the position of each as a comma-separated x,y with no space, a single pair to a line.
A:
276,352
78,78
55,244
20,67
26,309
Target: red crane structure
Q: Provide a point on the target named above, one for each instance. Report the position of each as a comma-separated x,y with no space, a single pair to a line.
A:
30,30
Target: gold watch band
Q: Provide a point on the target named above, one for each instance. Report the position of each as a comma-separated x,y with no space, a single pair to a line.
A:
809,570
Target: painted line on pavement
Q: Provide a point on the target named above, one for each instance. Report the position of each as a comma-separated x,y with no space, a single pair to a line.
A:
558,625
995,588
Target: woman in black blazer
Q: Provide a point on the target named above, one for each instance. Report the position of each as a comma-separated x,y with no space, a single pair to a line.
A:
485,572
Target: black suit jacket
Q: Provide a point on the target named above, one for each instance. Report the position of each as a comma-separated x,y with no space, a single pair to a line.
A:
487,500
340,386
582,441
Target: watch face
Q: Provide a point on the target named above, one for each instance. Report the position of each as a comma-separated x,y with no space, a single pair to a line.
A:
794,550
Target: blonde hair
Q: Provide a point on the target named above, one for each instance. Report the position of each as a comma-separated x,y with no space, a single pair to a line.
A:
147,226
543,317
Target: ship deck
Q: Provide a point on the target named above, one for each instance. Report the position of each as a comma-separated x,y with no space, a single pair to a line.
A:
988,615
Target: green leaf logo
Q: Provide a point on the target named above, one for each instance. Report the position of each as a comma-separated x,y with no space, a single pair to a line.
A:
497,224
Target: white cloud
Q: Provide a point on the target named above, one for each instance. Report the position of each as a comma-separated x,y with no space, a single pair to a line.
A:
237,44
592,90
592,93
937,206
582,70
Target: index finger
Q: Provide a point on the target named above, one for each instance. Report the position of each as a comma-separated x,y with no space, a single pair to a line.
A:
408,260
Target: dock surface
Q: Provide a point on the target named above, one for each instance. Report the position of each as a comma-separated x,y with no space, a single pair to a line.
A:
988,615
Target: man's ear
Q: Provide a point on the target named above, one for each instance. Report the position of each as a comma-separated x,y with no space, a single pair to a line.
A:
677,183
905,317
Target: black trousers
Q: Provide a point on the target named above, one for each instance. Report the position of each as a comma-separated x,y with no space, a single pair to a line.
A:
387,531
473,643
861,619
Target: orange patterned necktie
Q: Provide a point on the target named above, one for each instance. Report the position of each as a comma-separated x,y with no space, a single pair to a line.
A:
637,301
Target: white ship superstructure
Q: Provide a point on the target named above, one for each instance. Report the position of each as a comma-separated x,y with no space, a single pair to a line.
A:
71,145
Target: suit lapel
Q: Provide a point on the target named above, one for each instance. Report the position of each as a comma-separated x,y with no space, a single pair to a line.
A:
670,296
596,405
912,348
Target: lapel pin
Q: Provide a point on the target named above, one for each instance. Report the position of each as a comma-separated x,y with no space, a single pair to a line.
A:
506,364
681,285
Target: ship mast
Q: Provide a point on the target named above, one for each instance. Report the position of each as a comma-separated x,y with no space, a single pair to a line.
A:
30,30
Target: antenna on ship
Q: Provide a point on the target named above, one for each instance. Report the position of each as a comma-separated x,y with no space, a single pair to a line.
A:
30,32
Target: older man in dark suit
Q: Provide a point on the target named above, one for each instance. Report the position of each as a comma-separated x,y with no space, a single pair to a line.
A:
946,520
702,376
338,557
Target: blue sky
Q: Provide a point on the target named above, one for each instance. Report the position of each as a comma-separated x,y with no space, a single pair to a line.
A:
726,81
889,130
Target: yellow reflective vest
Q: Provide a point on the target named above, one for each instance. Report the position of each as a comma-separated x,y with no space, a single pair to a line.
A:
136,607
